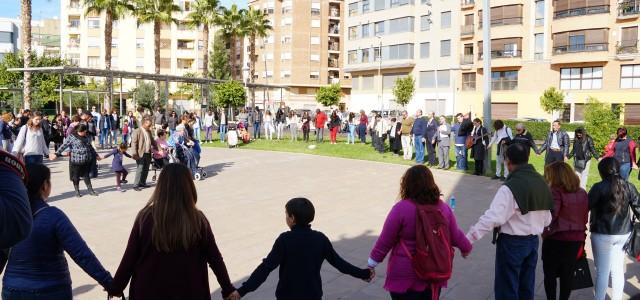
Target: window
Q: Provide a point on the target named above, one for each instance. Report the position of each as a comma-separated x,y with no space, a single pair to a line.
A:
571,8
315,9
286,21
365,30
376,54
365,6
379,27
389,80
581,41
468,81
139,43
576,42
380,4
425,23
352,57
427,79
367,82
287,39
355,83
394,52
401,25
396,3
93,61
315,40
424,50
630,77
353,9
581,78
426,2
539,46
353,33
267,74
6,37
315,57
315,23
93,23
365,57
504,15
285,74
445,48
504,80
285,55
540,13
93,42
314,75
444,79
445,19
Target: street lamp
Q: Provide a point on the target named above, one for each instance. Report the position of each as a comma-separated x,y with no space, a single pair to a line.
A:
380,72
486,49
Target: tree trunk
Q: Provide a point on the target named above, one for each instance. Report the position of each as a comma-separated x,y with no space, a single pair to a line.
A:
156,60
205,57
232,58
252,67
108,32
26,51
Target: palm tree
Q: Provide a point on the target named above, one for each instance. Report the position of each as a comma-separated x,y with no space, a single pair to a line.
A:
114,10
157,12
26,50
232,20
204,14
256,25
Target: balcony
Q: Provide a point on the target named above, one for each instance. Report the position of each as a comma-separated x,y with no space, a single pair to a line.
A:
334,30
466,4
581,11
74,23
503,22
626,50
576,48
334,63
628,9
503,54
74,43
466,31
466,59
504,84
334,46
334,12
332,80
74,5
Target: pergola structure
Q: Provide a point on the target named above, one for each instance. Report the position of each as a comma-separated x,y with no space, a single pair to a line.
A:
115,74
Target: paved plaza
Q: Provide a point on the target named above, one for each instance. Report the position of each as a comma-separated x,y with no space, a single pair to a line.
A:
244,200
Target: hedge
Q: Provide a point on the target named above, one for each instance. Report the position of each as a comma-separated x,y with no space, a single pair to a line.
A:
539,130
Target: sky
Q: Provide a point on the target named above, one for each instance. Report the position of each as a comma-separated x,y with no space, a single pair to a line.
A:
44,9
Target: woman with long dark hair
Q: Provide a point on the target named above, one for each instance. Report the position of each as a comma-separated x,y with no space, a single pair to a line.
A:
565,236
37,267
582,152
351,135
170,245
610,225
334,126
417,188
305,126
479,148
30,141
82,158
624,150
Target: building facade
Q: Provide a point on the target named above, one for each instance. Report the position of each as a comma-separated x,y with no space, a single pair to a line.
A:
586,48
303,52
388,39
82,42
9,36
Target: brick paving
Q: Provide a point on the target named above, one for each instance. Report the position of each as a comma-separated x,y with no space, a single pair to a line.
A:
244,200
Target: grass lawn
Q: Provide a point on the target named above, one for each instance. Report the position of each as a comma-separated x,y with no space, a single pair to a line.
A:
366,152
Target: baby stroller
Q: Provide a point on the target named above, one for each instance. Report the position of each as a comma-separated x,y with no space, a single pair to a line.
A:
232,135
186,155
158,163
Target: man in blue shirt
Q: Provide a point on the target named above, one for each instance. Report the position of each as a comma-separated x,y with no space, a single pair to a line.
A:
419,127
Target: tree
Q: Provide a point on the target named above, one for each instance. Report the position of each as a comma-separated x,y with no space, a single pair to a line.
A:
230,94
220,58
256,25
329,95
600,121
25,16
145,95
114,10
157,12
204,13
44,84
403,89
232,24
552,101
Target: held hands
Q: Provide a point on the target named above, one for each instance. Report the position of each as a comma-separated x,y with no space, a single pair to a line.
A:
372,275
52,156
233,296
465,255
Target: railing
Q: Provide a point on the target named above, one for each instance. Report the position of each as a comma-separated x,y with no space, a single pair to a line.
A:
504,84
335,13
335,30
334,46
581,11
503,54
628,8
627,47
467,59
503,22
74,23
333,80
74,43
466,29
333,63
467,2
74,5
469,86
581,48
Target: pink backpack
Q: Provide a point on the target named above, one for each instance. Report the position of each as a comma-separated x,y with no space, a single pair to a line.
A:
433,260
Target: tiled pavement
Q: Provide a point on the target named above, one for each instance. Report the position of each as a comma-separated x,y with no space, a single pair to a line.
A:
244,200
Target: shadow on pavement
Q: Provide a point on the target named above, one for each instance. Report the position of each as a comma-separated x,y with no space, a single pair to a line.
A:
83,289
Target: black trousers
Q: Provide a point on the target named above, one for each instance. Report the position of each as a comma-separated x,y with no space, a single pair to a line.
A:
479,170
412,295
559,260
431,153
553,156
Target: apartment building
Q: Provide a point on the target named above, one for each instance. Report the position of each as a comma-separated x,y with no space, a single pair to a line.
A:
303,52
82,42
388,39
586,48
9,36
45,36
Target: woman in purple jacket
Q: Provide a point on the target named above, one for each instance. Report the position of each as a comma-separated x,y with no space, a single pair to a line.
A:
417,187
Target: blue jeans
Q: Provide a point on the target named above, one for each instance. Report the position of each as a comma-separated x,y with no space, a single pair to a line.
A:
351,136
256,130
223,130
104,136
461,157
515,273
625,171
362,133
196,132
114,136
53,293
608,257
419,149
33,159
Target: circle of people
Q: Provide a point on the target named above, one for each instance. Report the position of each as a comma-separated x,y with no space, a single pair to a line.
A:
171,236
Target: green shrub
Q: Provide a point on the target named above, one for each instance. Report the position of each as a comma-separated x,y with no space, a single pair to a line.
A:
601,121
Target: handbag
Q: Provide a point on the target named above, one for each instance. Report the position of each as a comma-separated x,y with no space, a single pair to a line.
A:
632,246
581,273
469,142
